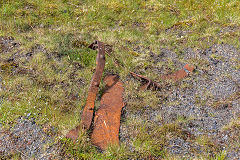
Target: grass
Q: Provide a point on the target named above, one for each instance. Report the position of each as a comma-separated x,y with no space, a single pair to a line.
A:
52,85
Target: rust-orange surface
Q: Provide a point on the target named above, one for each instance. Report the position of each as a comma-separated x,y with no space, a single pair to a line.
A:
181,73
87,114
107,117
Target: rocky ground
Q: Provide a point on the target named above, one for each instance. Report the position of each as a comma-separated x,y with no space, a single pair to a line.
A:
27,140
209,103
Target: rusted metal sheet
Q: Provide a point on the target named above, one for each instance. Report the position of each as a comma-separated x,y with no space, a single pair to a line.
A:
107,118
87,114
148,83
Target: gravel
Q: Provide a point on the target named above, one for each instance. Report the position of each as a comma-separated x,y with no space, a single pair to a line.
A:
215,81
7,44
29,140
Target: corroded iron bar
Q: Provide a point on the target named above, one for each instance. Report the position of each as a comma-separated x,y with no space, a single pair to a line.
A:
87,114
175,77
149,81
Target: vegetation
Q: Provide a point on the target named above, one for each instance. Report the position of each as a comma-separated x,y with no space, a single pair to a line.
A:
51,85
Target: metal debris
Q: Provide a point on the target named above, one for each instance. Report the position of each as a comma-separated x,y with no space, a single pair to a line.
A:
109,52
187,69
93,90
148,83
107,118
87,114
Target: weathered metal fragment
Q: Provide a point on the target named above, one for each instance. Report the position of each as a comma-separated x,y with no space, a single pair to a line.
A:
87,114
93,90
107,118
181,73
147,83
109,52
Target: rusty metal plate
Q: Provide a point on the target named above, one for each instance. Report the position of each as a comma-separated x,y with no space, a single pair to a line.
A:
107,117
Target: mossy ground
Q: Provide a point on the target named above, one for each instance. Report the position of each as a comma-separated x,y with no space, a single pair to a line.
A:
51,85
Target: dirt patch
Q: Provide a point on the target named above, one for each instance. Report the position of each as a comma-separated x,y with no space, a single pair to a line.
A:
7,44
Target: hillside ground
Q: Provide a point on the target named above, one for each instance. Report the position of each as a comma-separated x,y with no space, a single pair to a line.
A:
46,68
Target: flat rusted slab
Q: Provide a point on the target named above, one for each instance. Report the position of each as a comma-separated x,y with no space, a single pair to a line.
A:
107,118
87,114
187,69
